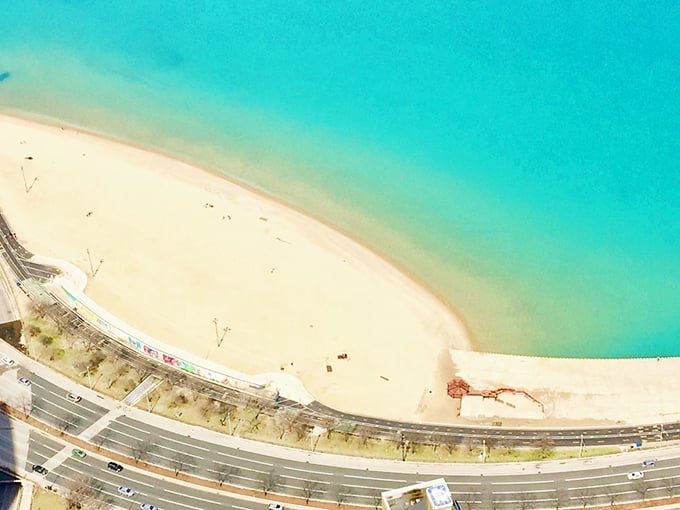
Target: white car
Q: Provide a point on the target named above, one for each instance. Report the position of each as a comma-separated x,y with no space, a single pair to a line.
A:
148,506
648,462
126,491
8,361
636,475
73,397
24,381
275,506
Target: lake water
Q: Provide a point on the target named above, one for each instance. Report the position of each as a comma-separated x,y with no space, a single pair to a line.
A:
520,158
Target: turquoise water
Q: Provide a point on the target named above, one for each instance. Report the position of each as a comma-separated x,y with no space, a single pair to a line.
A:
521,158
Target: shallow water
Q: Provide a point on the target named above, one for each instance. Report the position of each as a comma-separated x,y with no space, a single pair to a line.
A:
523,160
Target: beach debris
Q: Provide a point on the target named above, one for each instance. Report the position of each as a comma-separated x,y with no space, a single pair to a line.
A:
271,271
342,356
88,214
329,368
208,205
384,378
283,240
262,218
28,157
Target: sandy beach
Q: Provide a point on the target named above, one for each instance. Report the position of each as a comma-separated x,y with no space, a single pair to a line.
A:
175,247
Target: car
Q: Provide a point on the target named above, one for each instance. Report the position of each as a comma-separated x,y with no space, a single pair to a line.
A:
8,361
39,469
148,506
275,506
73,397
77,452
24,381
636,475
126,491
114,466
648,462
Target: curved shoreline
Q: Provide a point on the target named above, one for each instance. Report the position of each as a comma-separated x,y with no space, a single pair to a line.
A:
409,385
153,219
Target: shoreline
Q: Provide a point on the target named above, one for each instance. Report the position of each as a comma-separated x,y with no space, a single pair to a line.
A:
404,322
392,371
52,122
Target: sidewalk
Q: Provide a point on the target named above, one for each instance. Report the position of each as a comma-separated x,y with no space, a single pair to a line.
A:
325,459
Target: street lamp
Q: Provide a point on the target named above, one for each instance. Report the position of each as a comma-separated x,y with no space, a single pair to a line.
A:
580,450
89,380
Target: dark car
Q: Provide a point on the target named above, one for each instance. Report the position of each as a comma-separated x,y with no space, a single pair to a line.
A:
114,466
39,469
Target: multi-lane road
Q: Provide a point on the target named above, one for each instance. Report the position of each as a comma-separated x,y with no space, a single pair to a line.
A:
316,413
178,447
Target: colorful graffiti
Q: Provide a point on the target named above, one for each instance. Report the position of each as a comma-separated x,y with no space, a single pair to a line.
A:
141,346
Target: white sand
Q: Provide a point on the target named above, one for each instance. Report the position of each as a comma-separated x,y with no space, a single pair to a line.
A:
293,292
581,390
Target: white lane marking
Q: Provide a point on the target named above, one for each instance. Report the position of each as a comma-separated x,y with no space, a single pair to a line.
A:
244,458
536,482
592,477
310,471
192,497
305,479
130,481
186,444
173,502
359,477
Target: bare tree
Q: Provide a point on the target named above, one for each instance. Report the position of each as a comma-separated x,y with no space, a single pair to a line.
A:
302,430
525,500
225,472
180,461
377,500
451,443
254,423
488,498
341,494
586,497
67,422
469,445
26,405
100,439
85,492
612,496
268,481
641,487
670,484
510,446
284,420
309,489
561,497
141,448
546,447
468,501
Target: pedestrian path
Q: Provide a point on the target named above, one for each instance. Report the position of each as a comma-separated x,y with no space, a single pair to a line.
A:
101,424
143,389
